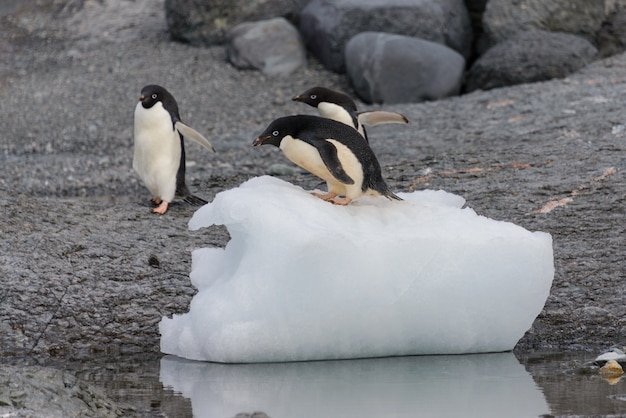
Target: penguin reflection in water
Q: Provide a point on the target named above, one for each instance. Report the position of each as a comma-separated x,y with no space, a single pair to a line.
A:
332,151
159,155
340,107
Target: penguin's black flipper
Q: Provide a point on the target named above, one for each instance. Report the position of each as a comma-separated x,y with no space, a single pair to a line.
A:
328,152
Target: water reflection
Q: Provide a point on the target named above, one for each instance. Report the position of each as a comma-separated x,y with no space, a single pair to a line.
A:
486,385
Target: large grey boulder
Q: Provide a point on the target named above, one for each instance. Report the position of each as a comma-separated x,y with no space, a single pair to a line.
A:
529,57
504,19
207,22
272,46
390,68
327,25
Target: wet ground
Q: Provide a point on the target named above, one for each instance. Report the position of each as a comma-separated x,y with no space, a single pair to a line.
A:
535,384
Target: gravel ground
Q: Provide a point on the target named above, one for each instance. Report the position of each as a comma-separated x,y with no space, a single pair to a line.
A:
86,269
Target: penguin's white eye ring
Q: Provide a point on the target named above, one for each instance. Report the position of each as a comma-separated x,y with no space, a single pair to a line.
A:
275,133
313,96
154,95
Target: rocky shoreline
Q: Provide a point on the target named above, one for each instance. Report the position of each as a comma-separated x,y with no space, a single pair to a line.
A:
87,271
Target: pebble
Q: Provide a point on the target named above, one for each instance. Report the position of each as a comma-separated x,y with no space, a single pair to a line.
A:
611,372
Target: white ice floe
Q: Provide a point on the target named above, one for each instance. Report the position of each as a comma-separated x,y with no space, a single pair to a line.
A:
302,279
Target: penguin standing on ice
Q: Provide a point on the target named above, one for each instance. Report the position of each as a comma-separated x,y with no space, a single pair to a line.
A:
337,106
332,151
159,154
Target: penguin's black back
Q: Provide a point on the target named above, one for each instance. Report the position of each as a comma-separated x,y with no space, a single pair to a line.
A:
312,129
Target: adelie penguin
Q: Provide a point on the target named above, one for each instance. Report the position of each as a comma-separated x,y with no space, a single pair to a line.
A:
332,151
338,106
159,154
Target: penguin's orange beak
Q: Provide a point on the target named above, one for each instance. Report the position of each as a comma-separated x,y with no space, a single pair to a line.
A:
260,140
142,98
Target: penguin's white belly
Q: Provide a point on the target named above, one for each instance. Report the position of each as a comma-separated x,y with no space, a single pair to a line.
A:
307,157
157,151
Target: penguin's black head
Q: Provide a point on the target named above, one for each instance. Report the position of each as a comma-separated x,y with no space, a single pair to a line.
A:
316,95
277,130
152,94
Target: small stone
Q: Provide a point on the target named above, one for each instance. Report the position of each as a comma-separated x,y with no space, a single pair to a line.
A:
612,372
153,261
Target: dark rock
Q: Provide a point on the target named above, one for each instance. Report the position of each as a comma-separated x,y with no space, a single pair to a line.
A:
207,22
476,9
327,26
529,57
611,37
504,19
400,69
153,261
272,46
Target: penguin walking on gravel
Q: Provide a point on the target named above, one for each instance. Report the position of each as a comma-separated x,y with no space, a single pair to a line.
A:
340,107
333,152
159,154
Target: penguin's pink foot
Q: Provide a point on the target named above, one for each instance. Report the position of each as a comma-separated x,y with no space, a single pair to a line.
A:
157,201
340,201
161,209
327,196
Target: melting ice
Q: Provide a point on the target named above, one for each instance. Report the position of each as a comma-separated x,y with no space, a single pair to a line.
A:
302,279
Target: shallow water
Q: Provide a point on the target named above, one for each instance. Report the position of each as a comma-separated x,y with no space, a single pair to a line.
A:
572,389
482,385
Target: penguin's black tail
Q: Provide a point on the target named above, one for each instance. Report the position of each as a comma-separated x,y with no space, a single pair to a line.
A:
182,192
194,200
392,196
